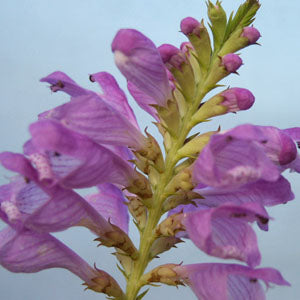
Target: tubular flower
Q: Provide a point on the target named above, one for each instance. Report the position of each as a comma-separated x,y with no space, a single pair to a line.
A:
228,281
139,61
228,164
28,252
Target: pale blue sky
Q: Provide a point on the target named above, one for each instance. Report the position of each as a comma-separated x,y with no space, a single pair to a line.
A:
41,36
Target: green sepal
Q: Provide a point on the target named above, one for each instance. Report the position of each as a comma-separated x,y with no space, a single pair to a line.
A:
209,109
163,244
218,19
141,296
202,45
170,117
185,79
195,146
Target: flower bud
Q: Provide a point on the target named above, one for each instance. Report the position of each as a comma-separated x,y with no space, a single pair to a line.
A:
218,19
171,225
163,274
236,99
171,56
178,64
231,62
252,34
189,25
199,38
104,283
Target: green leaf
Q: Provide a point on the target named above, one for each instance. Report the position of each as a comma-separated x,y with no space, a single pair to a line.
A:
140,296
243,17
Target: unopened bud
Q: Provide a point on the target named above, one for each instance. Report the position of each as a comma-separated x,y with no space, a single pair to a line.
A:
190,25
231,62
104,283
162,244
236,99
171,56
200,40
218,20
171,225
177,62
138,210
164,274
119,239
252,34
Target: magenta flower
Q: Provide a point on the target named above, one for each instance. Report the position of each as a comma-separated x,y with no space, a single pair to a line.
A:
228,281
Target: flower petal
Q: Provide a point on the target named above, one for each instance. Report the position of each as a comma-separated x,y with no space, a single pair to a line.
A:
110,203
30,252
93,117
224,231
62,82
227,281
75,160
229,161
114,96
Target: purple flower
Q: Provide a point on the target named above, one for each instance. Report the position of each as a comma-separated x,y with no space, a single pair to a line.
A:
243,155
29,252
227,281
91,116
236,99
139,61
111,112
26,202
224,231
252,34
65,157
231,62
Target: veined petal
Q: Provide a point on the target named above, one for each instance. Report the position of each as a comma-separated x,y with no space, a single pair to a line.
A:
74,160
114,95
93,117
30,205
110,203
143,100
139,61
264,192
62,82
228,281
30,252
224,231
229,161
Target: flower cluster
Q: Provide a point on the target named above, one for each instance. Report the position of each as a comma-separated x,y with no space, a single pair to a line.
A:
212,186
